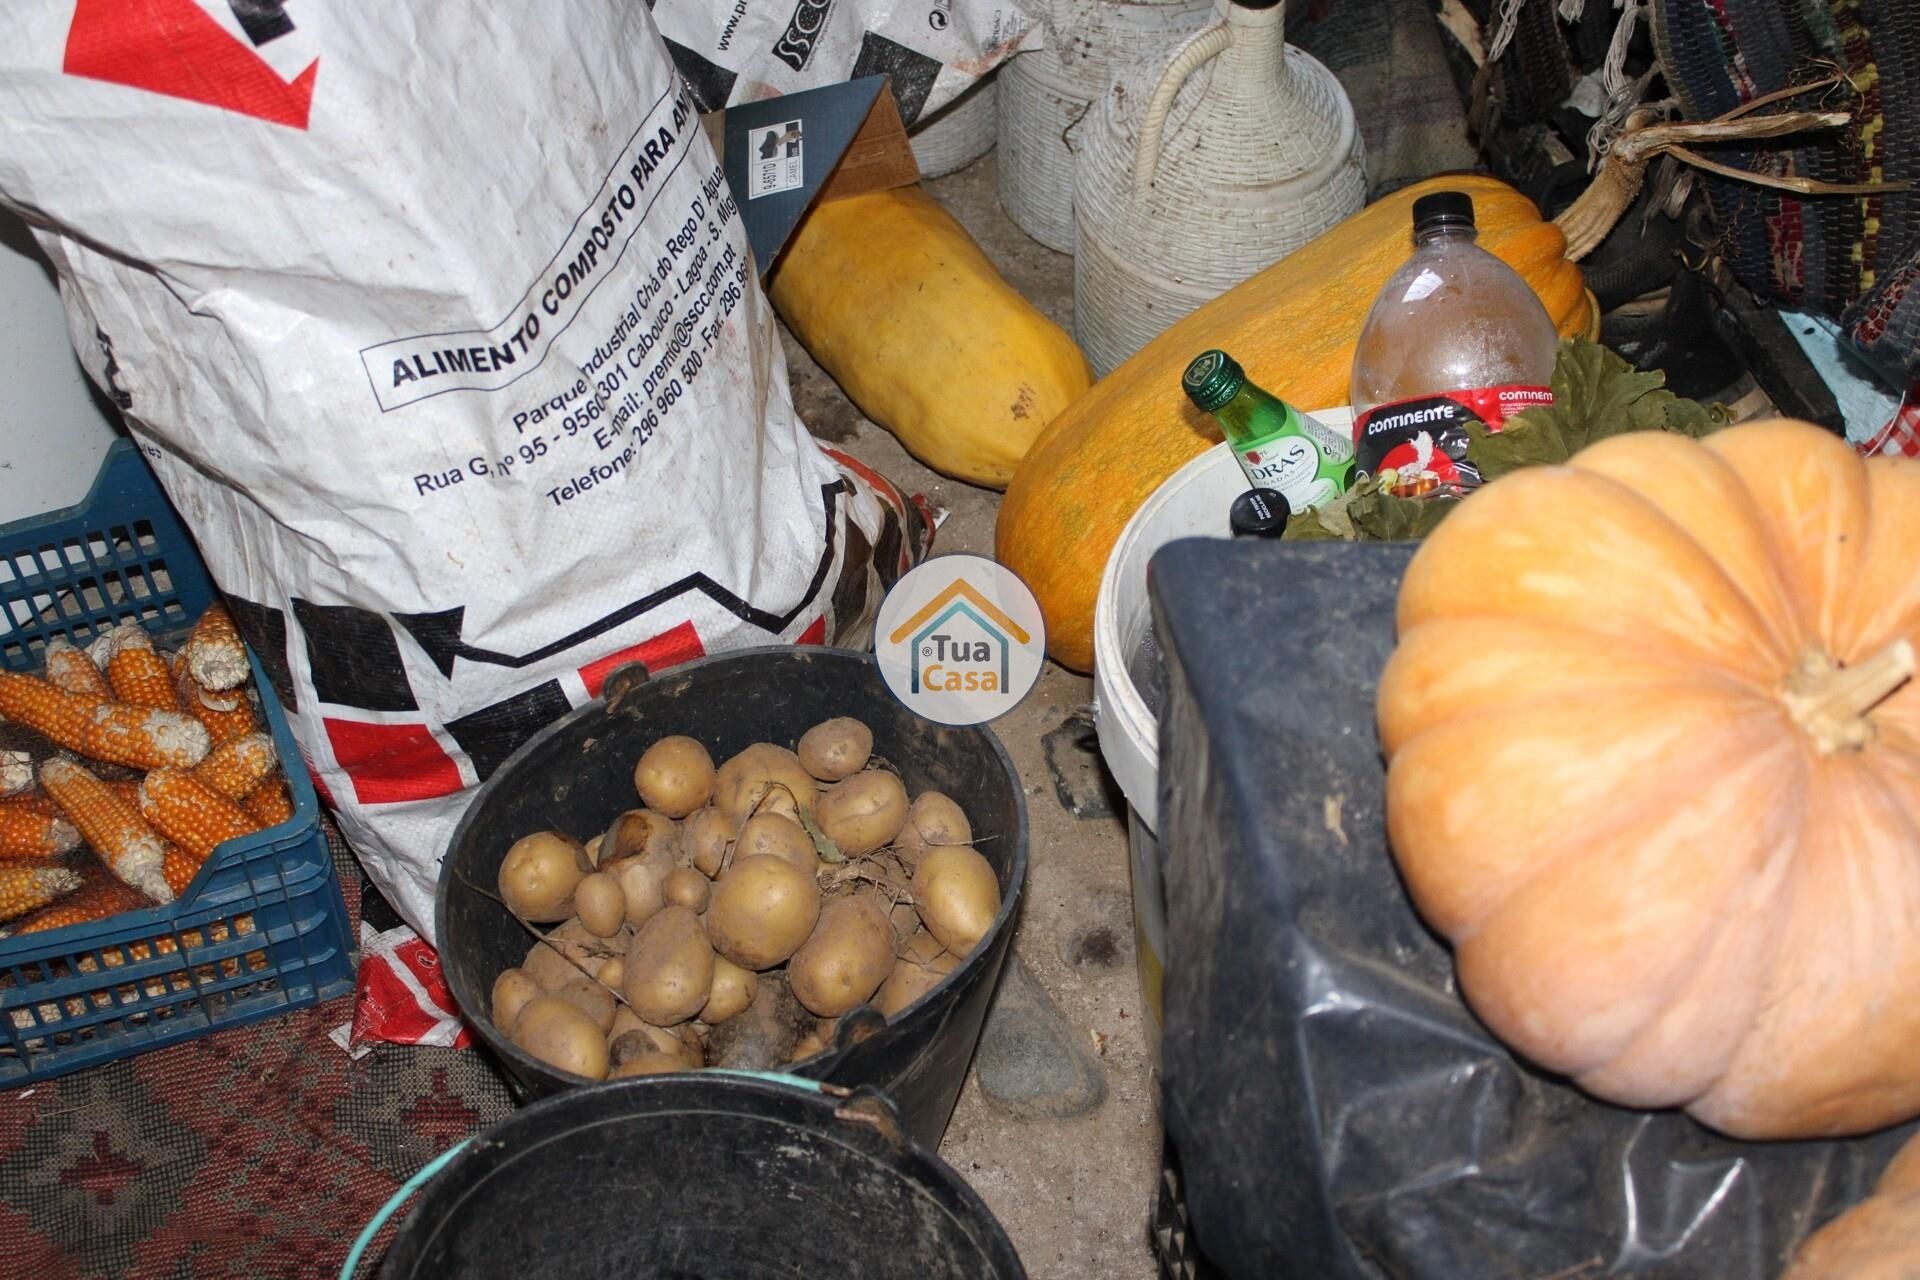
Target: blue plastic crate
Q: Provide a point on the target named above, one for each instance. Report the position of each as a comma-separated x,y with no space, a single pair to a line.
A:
262,929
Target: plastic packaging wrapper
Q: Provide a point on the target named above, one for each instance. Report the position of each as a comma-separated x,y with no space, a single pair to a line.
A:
1337,1110
438,324
744,50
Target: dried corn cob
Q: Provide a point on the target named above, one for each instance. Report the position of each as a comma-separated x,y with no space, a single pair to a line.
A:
32,802
137,674
142,737
180,868
145,737
97,899
235,769
128,789
16,772
27,885
115,829
190,813
27,833
61,716
215,657
227,715
270,803
69,668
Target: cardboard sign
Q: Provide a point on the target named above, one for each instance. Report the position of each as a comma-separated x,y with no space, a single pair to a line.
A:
784,153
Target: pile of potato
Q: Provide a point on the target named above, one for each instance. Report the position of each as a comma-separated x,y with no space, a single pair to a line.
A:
732,920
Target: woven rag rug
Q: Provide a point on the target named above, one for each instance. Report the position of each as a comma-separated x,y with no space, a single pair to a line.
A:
1854,258
256,1152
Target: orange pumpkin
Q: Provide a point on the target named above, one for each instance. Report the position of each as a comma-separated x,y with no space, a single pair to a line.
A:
1654,769
1877,1239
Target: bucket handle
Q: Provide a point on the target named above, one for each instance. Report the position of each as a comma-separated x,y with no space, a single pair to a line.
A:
1191,56
622,682
407,1189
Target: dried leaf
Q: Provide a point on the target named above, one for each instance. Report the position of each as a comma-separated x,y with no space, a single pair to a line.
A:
822,844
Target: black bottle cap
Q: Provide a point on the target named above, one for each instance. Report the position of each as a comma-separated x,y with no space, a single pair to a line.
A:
1443,209
1259,513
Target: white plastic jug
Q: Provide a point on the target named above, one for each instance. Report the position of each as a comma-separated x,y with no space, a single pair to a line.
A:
1200,172
1046,95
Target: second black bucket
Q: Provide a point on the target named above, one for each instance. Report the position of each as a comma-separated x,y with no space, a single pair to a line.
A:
576,775
700,1177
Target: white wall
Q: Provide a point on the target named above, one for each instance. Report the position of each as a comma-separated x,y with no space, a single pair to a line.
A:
53,428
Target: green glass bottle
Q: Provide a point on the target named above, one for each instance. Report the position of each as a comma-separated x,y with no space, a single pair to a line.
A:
1278,446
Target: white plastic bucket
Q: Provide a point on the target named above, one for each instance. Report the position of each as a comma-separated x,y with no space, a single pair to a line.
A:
1193,503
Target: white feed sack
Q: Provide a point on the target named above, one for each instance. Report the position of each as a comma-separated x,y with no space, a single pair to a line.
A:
744,50
437,323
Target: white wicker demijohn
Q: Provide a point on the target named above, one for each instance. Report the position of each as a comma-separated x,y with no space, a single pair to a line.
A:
1202,171
959,133
1046,95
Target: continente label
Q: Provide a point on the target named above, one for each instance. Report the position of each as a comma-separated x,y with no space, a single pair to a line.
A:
1423,439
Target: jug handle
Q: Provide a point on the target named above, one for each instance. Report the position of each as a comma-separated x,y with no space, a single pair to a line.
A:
1202,48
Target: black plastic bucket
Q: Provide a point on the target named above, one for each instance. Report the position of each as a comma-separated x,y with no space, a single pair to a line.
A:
712,1175
577,775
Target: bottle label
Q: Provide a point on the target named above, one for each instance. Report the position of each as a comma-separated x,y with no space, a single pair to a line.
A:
1292,464
1423,440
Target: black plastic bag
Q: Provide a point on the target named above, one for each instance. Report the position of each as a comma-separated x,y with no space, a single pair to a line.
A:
1337,1110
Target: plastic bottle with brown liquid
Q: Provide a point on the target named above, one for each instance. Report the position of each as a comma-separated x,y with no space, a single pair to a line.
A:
1455,336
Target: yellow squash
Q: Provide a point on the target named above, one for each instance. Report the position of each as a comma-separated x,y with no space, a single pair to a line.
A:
1293,328
894,299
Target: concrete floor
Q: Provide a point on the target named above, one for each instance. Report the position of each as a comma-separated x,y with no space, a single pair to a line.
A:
1073,1193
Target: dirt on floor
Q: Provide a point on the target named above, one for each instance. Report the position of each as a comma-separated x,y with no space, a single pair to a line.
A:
1063,1140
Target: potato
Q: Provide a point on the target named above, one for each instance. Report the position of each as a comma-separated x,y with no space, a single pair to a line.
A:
669,967
644,834
601,904
685,887
593,848
613,973
648,1063
815,1040
760,773
641,1037
696,1044
674,776
763,908
591,998
922,947
836,749
512,990
845,960
705,836
539,873
770,833
958,895
779,803
566,953
560,1035
762,1038
646,1050
863,813
906,923
933,820
624,1020
732,992
909,981
643,887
